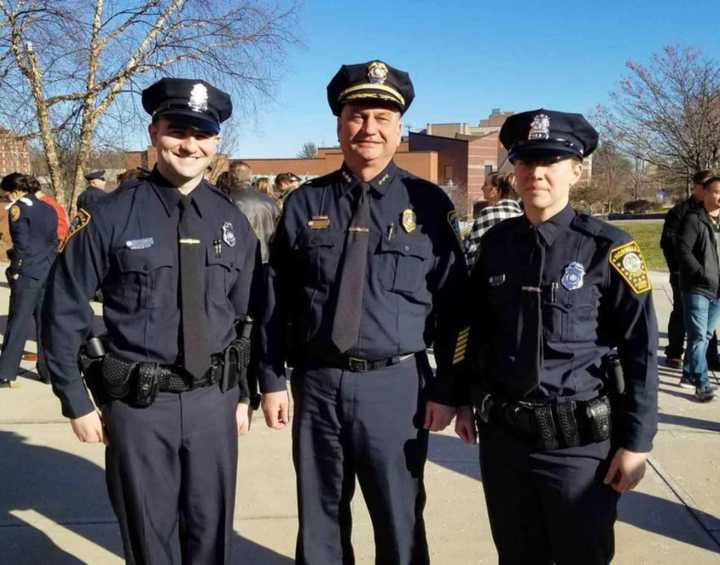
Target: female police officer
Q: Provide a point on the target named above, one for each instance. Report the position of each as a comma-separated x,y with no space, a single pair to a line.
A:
554,291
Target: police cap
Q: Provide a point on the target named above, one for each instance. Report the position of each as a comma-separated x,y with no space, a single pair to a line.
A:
541,135
92,175
191,103
371,81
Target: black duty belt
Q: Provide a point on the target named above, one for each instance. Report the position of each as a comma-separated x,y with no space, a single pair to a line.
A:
547,426
357,364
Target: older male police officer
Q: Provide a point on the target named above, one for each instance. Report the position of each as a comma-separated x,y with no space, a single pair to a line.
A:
554,291
366,271
175,260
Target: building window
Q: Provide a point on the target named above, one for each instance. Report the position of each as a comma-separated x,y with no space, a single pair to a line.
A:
488,170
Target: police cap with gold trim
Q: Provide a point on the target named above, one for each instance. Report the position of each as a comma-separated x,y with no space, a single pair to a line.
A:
188,102
547,135
374,81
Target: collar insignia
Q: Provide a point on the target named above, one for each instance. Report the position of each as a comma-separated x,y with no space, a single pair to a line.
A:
228,234
198,98
539,128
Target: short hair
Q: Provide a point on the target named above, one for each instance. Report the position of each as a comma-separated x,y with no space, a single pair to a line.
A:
129,174
701,177
236,166
710,177
283,178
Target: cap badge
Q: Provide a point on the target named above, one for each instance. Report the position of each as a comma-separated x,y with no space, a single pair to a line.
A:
198,98
540,127
377,72
573,275
408,220
228,234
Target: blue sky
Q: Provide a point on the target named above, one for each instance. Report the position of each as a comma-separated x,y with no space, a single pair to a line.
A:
468,57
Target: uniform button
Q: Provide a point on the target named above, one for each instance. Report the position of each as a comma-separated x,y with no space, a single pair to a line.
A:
407,248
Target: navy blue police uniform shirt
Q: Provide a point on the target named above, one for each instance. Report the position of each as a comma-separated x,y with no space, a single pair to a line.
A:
596,296
128,247
90,196
33,229
414,284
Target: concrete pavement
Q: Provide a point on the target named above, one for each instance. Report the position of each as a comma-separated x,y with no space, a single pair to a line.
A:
54,508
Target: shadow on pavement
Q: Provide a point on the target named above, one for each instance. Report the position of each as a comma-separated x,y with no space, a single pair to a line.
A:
689,422
641,510
69,491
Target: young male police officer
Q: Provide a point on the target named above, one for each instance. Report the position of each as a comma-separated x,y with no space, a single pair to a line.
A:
365,272
174,259
554,292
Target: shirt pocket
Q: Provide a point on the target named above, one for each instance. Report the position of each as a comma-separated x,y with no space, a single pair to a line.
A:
320,250
573,318
144,276
221,274
406,262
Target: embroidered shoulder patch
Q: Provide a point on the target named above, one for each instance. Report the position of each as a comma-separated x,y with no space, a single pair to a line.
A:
81,221
628,261
15,213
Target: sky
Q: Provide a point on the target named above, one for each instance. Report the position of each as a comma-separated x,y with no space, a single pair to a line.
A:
466,57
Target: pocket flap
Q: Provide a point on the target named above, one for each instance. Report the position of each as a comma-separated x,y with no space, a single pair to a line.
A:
320,238
420,247
143,260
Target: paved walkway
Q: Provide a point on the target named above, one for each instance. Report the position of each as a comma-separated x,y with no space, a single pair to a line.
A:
54,509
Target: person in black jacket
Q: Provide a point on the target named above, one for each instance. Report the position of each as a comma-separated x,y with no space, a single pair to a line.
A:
668,243
33,229
698,243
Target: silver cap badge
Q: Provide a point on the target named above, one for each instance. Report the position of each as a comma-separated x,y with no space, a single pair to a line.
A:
540,127
198,98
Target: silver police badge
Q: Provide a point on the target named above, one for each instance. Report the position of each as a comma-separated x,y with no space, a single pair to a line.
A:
540,127
377,72
198,98
228,234
573,275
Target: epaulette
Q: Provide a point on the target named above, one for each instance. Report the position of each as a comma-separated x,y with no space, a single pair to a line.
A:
598,228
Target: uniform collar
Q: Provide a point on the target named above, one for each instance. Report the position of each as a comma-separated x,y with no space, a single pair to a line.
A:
169,195
550,229
379,184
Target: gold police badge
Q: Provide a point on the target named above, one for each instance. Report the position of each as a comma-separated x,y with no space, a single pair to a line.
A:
627,260
408,220
377,72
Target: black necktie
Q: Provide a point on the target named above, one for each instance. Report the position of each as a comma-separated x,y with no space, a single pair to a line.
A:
196,355
346,323
530,328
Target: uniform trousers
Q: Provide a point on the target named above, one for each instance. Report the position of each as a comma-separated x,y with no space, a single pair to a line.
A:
170,471
26,297
366,426
548,507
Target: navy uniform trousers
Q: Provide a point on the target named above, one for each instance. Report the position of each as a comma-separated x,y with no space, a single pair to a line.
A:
365,425
547,507
190,434
26,297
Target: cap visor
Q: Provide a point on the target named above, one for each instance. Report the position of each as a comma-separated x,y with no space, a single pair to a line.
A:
544,151
371,96
190,119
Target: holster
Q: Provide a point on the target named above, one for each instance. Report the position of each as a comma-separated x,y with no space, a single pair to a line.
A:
90,360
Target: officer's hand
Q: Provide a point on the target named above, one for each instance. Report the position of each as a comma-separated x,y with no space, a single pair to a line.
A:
437,416
465,424
242,417
627,469
88,428
276,407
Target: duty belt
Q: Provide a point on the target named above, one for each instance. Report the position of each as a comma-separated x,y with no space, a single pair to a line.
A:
357,364
548,426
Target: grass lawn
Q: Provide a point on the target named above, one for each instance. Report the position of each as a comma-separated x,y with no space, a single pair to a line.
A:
647,234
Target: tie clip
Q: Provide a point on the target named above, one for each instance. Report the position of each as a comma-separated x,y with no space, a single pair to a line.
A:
189,240
363,230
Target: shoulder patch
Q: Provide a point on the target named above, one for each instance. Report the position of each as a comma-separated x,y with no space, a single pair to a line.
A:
81,221
15,213
627,260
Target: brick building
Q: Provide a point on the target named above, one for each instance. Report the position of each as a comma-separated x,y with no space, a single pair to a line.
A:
14,156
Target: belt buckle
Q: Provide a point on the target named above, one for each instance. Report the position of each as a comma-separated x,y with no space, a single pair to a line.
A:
357,365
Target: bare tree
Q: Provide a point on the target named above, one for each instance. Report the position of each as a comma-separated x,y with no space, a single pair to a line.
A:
77,61
667,113
308,151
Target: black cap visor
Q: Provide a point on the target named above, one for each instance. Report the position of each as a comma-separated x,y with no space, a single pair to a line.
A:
190,119
545,150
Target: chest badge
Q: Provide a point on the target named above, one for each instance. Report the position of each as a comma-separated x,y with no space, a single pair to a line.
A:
573,276
319,223
408,220
228,234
